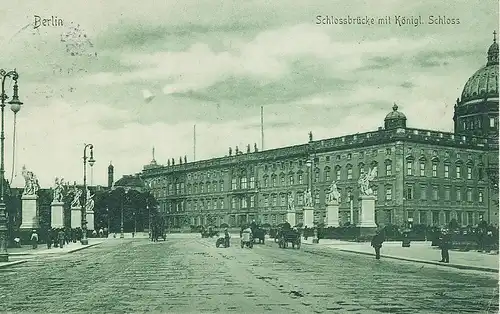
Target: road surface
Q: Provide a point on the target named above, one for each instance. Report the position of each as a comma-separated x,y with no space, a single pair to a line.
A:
192,276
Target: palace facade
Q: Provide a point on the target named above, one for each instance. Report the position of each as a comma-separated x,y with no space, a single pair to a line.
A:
429,176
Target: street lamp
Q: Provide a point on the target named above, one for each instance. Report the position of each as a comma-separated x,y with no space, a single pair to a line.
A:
149,218
107,214
15,106
121,223
91,161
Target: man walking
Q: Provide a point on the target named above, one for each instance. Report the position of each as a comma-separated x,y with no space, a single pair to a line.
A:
34,239
445,245
377,241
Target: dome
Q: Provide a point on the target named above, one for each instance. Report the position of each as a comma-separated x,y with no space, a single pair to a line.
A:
395,114
484,82
395,119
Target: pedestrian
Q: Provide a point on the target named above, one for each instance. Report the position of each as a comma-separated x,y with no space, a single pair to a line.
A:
227,238
17,240
49,238
377,241
445,244
34,239
61,236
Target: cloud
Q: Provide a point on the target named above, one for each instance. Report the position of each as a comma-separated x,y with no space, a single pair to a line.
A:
213,65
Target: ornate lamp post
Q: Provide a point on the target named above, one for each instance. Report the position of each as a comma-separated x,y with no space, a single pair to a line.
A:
121,223
85,241
15,107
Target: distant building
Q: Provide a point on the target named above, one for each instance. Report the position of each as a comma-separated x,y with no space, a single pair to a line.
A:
429,176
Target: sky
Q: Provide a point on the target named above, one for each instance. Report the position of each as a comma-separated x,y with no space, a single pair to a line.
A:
214,64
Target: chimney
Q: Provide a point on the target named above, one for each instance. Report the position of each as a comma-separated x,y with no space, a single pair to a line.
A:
111,171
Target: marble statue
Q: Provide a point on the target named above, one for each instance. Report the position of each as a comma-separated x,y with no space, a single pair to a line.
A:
58,190
308,202
333,194
291,204
364,182
31,185
77,193
89,204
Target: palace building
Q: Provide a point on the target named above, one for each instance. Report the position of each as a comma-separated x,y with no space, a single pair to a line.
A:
427,175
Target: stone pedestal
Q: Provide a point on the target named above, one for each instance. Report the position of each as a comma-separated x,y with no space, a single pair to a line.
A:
76,217
291,217
29,212
332,215
90,220
367,212
57,215
309,217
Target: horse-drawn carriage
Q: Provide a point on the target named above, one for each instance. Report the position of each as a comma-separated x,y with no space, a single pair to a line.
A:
286,236
210,233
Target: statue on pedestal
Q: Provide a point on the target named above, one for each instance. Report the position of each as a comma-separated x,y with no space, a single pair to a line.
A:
31,185
364,182
58,190
89,204
291,204
77,193
333,195
308,201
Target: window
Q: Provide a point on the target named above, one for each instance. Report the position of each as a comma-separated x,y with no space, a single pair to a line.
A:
243,183
422,168
423,192
459,195
327,174
300,199
434,170
470,221
202,187
316,175
252,201
422,215
480,173
434,193
388,151
327,158
459,218
282,180
266,181
252,182
273,178
469,173
446,171
316,196
388,170
388,193
447,193
337,173
349,156
435,217
301,179
349,172
459,172
492,122
214,186
409,192
189,188
375,193
233,202
243,201
233,184
480,196
275,200
469,195
361,169
266,200
338,157
447,217
221,185
282,199
409,168
291,179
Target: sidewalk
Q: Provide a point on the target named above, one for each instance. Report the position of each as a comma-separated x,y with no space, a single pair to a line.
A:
26,250
419,251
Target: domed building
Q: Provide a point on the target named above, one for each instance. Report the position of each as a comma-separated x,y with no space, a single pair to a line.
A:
476,111
427,177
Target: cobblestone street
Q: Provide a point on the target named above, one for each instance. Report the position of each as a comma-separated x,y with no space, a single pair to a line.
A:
187,275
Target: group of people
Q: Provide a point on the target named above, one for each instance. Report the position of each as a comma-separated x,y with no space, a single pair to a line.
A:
445,243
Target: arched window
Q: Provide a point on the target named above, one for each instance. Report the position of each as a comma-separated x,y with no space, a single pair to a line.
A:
316,175
349,171
291,180
361,167
338,173
388,167
266,181
327,174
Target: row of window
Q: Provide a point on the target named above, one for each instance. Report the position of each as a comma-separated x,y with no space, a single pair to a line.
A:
472,123
444,217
